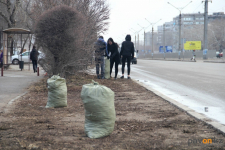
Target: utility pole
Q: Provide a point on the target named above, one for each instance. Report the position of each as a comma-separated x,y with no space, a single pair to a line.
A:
152,24
152,40
138,42
180,24
179,33
135,42
144,40
144,36
205,30
164,40
135,37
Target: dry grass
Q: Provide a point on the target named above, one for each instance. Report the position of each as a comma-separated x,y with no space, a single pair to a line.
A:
144,121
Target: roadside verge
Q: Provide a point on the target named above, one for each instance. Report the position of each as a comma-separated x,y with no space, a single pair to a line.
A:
216,125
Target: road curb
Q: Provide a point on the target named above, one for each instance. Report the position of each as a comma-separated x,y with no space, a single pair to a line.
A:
214,61
171,60
12,101
184,60
214,124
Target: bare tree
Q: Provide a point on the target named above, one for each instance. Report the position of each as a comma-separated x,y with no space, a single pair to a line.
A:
95,12
8,11
217,35
59,31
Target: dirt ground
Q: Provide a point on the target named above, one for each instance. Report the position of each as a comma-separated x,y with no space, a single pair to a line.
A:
144,121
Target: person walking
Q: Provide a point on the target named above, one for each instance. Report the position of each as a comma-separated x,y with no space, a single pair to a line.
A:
1,58
193,55
114,57
34,57
100,52
127,53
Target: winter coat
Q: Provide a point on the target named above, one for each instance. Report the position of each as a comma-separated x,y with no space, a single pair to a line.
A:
193,53
114,52
100,48
34,54
127,48
1,57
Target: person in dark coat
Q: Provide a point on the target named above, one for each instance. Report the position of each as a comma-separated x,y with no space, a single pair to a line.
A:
114,57
127,53
1,58
100,52
34,57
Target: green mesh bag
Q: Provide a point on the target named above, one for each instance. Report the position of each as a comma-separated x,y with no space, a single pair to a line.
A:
57,92
99,110
107,68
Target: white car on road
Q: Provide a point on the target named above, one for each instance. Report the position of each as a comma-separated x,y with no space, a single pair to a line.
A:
25,57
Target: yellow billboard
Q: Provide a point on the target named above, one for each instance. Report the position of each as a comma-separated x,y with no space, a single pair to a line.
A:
193,45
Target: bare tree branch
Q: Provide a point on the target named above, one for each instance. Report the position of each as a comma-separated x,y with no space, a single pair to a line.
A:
5,18
3,3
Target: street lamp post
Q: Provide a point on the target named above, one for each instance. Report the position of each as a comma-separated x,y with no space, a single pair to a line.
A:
138,39
206,30
144,36
180,22
135,35
152,24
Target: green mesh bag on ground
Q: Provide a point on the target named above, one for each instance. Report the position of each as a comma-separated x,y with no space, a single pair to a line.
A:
99,110
107,68
57,92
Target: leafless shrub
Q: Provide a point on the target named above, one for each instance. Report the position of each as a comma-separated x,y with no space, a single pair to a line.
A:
59,32
95,14
96,11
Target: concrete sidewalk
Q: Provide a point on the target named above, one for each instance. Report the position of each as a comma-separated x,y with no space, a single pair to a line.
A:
15,82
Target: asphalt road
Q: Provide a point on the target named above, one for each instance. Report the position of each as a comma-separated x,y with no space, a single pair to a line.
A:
14,83
194,84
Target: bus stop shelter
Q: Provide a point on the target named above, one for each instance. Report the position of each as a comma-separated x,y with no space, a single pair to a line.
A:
8,34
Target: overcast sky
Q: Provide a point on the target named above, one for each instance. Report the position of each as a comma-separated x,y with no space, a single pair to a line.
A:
127,14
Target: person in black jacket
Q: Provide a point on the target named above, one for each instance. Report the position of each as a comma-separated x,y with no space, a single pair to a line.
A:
114,57
1,58
127,53
34,57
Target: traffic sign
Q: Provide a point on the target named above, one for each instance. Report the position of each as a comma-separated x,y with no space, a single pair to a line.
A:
168,49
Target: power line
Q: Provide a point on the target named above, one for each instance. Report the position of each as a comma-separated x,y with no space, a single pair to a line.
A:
197,7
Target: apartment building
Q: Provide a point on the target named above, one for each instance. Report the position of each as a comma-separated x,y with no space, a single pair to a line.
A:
187,21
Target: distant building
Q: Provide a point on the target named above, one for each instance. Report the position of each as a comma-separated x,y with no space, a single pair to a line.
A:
148,39
169,27
197,18
188,21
